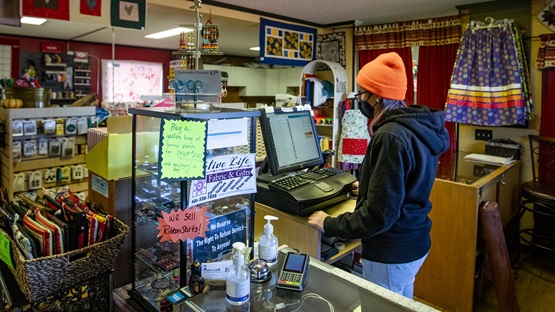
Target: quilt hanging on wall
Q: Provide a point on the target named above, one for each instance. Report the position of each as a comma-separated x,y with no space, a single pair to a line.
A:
286,44
331,47
547,16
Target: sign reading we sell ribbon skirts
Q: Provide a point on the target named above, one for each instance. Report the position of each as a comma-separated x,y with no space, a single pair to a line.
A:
226,176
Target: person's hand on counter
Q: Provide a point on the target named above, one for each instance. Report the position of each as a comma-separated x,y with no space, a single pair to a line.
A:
316,220
354,188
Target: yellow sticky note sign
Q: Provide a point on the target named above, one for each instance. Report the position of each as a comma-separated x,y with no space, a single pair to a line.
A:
5,254
183,149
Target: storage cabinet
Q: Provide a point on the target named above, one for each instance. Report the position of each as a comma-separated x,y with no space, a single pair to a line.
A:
34,158
447,278
339,80
159,265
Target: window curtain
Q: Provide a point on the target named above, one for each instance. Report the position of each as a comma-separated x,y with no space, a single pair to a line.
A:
546,62
435,65
438,40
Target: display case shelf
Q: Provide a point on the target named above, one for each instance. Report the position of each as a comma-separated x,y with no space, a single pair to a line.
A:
154,193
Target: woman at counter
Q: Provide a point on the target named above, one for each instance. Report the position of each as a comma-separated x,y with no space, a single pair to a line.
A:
399,168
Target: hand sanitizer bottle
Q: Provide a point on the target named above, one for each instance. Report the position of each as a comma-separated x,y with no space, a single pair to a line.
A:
268,243
238,284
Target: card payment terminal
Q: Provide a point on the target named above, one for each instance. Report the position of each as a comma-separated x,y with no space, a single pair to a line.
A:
294,271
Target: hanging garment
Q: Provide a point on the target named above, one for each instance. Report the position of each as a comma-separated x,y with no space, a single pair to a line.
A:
487,82
354,139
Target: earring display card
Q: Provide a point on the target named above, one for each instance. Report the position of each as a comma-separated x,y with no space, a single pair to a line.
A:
16,151
19,182
77,172
82,125
60,126
49,126
71,126
50,175
68,147
29,127
17,128
43,146
66,174
55,147
34,180
29,148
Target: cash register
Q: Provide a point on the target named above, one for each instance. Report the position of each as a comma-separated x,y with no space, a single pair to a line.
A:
293,178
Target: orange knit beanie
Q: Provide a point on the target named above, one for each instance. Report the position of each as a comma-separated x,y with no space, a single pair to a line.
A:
385,76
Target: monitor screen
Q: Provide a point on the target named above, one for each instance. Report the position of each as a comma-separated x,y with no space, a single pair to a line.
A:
290,139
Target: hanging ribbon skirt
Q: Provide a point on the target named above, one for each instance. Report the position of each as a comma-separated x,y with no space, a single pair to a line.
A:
487,83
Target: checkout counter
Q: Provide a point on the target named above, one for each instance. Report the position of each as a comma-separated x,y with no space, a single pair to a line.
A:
339,291
449,278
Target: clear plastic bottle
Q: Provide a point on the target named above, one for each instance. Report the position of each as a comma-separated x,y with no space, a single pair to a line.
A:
268,243
238,284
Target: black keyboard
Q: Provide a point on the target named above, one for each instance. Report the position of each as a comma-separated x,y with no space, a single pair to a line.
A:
293,182
288,183
320,174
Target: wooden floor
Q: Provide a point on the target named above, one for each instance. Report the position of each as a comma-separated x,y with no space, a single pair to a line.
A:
534,284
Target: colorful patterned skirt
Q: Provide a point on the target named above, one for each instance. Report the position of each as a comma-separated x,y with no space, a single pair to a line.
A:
489,81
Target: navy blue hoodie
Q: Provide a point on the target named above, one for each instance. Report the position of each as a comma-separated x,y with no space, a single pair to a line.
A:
399,169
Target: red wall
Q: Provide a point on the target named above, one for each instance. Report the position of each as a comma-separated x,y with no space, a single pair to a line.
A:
102,51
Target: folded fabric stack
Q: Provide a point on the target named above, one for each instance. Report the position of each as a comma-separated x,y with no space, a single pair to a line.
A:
54,224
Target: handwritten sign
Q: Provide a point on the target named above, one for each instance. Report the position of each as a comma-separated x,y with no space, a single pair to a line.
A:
5,250
224,231
183,149
225,176
180,225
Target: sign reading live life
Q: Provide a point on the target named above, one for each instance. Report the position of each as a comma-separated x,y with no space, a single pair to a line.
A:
180,225
226,176
182,149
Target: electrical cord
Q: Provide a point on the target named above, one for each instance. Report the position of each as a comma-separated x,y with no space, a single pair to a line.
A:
281,306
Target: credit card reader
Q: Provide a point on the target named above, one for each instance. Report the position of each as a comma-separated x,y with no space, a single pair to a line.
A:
294,271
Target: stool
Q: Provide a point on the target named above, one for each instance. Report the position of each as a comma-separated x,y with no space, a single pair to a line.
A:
538,197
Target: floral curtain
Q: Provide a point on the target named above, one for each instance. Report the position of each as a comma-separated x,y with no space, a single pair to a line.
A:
546,62
425,32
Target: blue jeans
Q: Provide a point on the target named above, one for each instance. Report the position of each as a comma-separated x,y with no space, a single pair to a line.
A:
395,277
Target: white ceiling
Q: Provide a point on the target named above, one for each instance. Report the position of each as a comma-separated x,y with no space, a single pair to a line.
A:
239,30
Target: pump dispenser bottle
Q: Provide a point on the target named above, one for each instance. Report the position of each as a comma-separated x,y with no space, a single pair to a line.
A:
268,243
238,284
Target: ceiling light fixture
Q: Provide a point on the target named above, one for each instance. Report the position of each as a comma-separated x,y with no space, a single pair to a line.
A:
168,33
32,20
255,48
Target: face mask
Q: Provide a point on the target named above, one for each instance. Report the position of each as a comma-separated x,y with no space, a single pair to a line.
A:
366,109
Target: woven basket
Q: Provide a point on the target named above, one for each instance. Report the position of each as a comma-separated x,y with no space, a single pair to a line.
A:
44,276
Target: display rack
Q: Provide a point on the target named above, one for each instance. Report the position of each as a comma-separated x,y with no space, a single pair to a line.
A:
190,51
18,163
160,267
330,129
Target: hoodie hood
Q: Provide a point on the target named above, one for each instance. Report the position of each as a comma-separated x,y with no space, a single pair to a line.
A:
427,125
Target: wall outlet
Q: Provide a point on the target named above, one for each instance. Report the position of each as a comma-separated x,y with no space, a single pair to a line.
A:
483,135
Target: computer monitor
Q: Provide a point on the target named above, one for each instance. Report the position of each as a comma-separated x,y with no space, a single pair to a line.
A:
290,139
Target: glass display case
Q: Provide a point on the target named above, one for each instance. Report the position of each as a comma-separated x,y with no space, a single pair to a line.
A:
195,161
